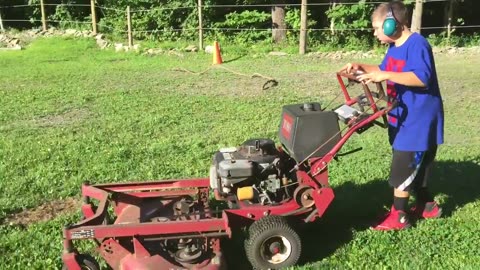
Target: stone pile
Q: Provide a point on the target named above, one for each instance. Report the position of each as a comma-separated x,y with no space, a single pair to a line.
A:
9,43
15,41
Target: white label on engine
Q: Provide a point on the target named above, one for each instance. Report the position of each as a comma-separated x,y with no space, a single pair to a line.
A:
228,149
227,156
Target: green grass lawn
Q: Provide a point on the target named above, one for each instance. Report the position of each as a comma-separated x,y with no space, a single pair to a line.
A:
70,112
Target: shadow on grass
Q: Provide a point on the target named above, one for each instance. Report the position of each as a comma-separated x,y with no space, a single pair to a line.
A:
234,59
357,207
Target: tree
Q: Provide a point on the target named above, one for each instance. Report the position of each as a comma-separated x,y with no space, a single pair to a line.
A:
279,26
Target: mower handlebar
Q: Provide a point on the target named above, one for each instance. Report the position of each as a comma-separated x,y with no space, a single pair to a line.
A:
368,94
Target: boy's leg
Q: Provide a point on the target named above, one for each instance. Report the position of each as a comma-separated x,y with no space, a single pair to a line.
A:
404,169
425,206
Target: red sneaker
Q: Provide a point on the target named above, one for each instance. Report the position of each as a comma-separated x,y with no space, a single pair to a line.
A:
395,220
428,210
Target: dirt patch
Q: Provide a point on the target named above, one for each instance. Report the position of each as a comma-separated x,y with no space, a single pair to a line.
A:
66,118
44,212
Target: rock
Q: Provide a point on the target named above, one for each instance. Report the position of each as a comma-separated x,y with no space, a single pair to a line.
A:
70,32
337,55
174,52
102,43
136,47
191,48
209,49
453,50
14,42
99,36
277,53
118,47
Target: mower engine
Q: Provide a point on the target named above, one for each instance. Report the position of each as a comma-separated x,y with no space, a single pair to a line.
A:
258,172
252,171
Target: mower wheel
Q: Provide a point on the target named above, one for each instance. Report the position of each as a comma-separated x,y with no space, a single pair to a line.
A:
272,244
86,262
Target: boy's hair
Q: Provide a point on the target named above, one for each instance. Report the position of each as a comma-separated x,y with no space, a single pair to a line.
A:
399,10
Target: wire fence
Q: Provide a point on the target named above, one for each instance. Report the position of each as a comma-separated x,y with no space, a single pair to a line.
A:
129,30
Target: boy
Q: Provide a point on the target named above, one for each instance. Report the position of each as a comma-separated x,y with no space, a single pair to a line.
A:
416,123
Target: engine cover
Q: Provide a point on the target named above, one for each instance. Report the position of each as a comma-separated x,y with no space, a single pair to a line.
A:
305,127
234,165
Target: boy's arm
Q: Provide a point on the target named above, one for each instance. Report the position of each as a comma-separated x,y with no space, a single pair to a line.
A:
405,78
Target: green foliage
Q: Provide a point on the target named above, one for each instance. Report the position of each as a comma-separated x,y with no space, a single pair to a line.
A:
293,21
346,18
250,25
177,20
461,40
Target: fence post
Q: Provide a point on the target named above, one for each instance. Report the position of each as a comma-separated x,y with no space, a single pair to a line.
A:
1,23
94,17
450,15
417,16
44,21
129,25
200,25
332,22
303,27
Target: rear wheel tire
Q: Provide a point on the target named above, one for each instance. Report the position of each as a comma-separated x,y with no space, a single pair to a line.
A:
86,262
272,244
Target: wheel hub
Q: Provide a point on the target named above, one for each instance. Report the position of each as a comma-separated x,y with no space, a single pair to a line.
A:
276,249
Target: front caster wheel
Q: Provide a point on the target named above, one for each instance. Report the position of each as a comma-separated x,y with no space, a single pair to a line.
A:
272,244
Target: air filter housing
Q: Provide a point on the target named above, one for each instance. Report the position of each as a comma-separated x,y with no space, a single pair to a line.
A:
305,127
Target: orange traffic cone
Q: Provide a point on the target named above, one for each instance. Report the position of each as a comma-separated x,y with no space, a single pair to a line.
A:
217,57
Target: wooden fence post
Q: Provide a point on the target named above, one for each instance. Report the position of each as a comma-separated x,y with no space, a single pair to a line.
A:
303,27
94,17
450,15
44,21
417,16
200,25
1,23
332,21
129,25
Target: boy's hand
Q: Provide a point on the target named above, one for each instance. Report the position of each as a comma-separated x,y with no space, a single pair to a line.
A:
377,76
348,68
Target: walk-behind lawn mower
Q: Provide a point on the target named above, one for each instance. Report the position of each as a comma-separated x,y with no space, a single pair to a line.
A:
171,224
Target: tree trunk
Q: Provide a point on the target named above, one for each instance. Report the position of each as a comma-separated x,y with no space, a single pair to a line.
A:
417,16
279,31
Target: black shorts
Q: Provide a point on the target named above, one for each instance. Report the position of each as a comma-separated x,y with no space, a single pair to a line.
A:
410,170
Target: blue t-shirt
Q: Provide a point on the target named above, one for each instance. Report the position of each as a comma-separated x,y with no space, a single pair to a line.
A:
416,124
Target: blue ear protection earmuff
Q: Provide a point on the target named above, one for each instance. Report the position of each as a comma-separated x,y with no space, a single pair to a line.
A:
390,23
